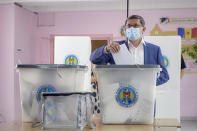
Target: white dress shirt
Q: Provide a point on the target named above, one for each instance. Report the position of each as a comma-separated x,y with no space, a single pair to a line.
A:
137,53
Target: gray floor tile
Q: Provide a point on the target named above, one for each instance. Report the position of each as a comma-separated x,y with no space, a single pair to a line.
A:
189,125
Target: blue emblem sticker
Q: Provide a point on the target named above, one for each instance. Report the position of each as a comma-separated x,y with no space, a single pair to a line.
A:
49,111
165,61
71,60
44,89
126,96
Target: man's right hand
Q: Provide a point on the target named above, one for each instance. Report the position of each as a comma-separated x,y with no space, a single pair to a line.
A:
113,47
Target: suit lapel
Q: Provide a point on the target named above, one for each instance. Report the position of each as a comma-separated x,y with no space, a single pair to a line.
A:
146,54
127,45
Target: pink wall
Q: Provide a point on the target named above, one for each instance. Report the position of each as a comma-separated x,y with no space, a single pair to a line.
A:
7,62
25,27
110,23
152,17
188,96
78,23
25,39
100,23
17,31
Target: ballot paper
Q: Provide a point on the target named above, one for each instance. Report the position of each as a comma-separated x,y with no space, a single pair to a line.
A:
123,57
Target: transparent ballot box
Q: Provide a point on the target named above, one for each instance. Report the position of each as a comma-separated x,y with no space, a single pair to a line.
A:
72,110
127,93
36,79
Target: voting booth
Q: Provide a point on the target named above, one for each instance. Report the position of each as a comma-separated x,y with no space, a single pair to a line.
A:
127,93
168,94
74,50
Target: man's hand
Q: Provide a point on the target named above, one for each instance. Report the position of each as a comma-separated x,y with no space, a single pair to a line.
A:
113,47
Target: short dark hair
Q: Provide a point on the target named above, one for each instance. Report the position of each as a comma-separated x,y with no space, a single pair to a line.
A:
136,17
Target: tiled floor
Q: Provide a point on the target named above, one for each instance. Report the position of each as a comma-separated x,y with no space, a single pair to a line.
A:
189,125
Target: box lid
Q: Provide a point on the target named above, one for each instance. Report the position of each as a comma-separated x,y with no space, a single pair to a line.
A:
67,93
47,66
128,66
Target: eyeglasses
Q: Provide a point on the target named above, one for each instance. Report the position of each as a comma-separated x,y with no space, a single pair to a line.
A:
134,26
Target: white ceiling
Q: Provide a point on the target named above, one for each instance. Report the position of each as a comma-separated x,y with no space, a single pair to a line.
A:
101,5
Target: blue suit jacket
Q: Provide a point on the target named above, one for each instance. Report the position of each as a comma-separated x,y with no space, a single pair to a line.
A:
152,55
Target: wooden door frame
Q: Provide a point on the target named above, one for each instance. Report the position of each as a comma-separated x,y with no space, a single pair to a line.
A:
108,37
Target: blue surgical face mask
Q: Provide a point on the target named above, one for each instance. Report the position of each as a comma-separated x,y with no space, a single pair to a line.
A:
133,33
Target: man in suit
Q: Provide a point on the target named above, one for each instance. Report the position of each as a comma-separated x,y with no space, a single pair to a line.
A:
142,52
183,66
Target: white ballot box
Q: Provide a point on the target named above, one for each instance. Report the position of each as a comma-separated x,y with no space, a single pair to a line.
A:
127,93
36,79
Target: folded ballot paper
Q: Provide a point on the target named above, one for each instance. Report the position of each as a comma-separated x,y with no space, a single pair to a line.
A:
123,57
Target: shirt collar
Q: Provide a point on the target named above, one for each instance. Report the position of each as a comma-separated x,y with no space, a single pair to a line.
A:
141,43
